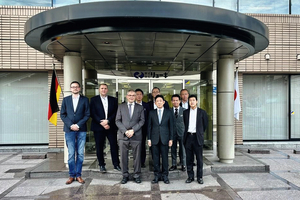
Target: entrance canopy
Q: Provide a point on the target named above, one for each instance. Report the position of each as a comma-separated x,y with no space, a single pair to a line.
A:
122,37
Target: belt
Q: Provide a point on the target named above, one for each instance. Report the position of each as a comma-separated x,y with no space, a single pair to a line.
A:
189,133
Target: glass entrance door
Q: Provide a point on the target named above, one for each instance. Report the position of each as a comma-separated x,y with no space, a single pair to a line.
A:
295,107
125,85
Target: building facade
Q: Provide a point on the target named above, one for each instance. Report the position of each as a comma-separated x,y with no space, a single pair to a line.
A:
268,81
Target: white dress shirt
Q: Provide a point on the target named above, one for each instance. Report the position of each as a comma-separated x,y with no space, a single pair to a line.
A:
75,102
154,105
185,105
139,103
192,120
105,104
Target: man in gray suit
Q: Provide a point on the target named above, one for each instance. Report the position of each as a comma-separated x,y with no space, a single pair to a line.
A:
178,134
130,119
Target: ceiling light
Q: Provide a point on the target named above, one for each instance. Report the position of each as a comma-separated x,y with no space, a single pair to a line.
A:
298,56
198,45
106,42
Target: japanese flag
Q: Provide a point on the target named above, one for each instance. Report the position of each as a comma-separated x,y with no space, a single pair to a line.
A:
237,103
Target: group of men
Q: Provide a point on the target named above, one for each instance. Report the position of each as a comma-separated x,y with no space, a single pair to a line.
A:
127,126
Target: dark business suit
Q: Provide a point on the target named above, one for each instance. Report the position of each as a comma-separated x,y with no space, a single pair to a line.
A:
79,117
124,123
194,143
160,134
178,137
144,132
98,114
151,105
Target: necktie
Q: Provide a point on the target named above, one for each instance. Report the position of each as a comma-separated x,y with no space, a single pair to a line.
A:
130,110
159,115
176,112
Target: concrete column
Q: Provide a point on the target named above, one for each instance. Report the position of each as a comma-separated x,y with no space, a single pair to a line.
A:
72,72
225,102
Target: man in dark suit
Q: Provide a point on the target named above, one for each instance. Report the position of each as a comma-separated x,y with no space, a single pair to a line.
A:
184,94
130,119
75,112
152,105
103,113
139,98
160,138
195,121
178,134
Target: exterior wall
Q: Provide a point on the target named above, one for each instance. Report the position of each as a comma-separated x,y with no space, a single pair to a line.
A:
284,36
16,55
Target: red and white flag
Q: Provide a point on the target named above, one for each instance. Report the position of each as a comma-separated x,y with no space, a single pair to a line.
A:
237,103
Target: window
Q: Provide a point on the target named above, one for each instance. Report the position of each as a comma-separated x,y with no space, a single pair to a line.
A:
265,107
264,6
24,108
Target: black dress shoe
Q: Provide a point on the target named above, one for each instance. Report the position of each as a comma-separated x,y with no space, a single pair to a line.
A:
172,168
118,168
102,169
137,180
143,165
183,168
200,181
166,181
189,180
124,180
155,180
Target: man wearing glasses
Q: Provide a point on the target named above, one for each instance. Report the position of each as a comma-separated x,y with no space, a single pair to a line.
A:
75,111
130,119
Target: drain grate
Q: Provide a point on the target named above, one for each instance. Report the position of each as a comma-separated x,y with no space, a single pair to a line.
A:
14,170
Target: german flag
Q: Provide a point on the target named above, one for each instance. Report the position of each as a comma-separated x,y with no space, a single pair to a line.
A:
55,91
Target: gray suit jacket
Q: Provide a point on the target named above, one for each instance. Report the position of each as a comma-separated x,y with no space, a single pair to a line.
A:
124,122
178,122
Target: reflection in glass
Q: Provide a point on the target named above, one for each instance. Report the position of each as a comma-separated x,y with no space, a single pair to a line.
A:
226,4
125,85
45,3
199,2
264,6
295,7
58,3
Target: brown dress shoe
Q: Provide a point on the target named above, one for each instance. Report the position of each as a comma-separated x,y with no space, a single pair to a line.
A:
70,180
80,180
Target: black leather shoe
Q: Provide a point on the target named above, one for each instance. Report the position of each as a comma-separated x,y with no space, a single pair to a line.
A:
166,181
183,168
102,169
200,181
189,180
137,180
143,165
155,180
124,180
118,168
172,168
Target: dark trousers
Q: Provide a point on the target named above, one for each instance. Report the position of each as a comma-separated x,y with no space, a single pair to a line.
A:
136,151
143,147
160,150
100,139
193,148
182,156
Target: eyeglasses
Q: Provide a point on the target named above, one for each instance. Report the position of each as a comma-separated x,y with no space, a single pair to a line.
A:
74,87
131,95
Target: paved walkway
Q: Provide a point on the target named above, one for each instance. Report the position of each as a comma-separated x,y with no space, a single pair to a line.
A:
251,176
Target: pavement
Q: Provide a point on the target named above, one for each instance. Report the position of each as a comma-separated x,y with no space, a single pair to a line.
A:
251,176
